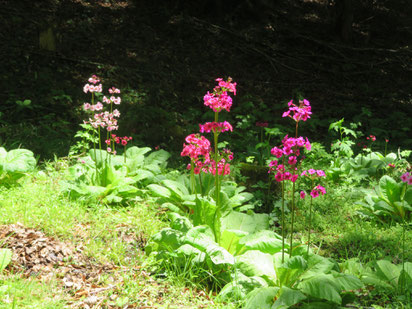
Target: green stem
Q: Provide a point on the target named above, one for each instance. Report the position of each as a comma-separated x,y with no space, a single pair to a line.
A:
201,185
403,256
192,177
283,221
124,154
293,218
310,223
217,189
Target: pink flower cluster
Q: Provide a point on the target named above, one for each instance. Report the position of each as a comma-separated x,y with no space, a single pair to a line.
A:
197,147
312,173
371,137
219,99
118,140
291,146
215,127
301,112
407,177
318,190
291,152
314,193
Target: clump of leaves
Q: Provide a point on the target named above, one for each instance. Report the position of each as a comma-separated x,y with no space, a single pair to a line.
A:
15,164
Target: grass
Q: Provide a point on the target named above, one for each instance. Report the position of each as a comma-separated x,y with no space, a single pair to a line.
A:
113,235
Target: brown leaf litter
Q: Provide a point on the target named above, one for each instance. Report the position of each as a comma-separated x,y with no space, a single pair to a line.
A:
43,257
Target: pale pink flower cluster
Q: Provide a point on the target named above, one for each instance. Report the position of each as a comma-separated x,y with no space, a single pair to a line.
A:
114,90
93,88
301,112
219,99
407,177
215,127
96,107
112,99
104,120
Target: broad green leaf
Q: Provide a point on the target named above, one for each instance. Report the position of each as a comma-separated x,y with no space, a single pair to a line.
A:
167,239
19,161
159,191
388,271
390,190
180,223
347,282
317,265
205,213
158,157
250,223
241,286
176,187
193,254
290,271
5,258
265,241
288,297
322,286
229,239
256,263
133,152
200,238
261,298
99,156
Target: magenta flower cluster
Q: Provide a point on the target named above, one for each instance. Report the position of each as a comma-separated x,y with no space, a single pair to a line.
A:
290,152
407,177
299,112
215,127
198,147
219,99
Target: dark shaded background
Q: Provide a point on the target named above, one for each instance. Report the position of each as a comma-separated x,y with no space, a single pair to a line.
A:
349,58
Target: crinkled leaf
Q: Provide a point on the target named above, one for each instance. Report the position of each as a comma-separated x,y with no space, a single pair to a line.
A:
241,286
322,286
256,263
229,239
250,222
159,191
347,282
193,254
200,238
167,239
18,161
265,241
388,271
261,298
180,223
389,188
288,297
